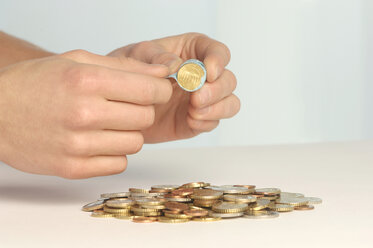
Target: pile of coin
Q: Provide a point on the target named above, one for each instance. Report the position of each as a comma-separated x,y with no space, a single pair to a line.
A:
198,201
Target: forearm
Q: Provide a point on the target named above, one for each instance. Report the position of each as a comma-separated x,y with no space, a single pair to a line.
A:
13,50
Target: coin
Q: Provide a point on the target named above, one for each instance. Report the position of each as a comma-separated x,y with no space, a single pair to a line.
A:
120,203
143,219
206,219
178,216
228,207
196,212
206,194
304,207
164,219
149,201
313,200
193,185
226,215
259,204
268,191
290,195
116,210
240,198
230,189
101,214
165,186
246,186
261,214
124,217
293,201
93,206
116,195
282,208
137,190
159,207
191,75
176,206
183,191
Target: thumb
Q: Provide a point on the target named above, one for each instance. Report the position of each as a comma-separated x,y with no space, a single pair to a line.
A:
119,63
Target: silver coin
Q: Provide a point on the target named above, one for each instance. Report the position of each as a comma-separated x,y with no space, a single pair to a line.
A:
290,195
313,200
149,201
166,186
230,189
226,215
93,205
146,194
116,195
261,214
240,198
268,190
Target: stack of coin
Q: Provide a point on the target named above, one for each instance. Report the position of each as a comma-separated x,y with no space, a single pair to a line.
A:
198,201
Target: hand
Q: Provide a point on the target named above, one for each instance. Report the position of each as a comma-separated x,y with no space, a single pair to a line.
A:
188,114
78,114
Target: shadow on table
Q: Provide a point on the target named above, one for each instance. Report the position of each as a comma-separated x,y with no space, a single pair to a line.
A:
39,194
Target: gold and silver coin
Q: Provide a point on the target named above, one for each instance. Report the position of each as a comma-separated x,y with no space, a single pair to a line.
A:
198,201
191,75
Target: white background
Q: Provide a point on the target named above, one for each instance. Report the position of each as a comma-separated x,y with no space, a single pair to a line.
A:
304,66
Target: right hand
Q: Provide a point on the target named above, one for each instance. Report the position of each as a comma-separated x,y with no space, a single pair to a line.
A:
78,114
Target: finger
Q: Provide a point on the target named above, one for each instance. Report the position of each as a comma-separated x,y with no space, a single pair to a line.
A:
105,142
201,126
94,166
214,54
213,92
120,63
110,115
154,53
226,108
118,85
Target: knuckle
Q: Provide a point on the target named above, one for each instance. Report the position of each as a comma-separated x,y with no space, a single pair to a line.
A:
80,77
80,117
76,54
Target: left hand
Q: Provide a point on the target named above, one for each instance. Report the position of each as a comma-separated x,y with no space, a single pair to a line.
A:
188,114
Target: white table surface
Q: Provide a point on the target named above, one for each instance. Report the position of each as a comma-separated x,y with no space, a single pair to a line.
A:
43,211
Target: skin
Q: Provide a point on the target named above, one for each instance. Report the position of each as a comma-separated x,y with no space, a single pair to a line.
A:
78,114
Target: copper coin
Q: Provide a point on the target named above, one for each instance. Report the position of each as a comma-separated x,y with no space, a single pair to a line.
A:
159,191
305,207
176,206
245,186
173,196
143,219
183,191
196,212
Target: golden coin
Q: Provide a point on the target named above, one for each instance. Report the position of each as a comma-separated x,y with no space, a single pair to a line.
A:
240,198
193,185
93,206
206,194
101,214
282,208
137,190
183,191
205,219
305,207
178,216
229,207
158,207
190,76
165,186
261,214
296,202
164,219
246,186
119,203
116,210
176,206
149,201
139,209
148,214
226,215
